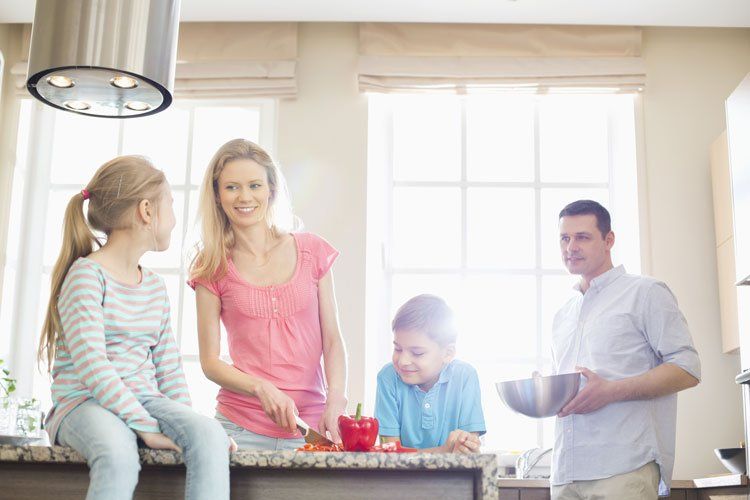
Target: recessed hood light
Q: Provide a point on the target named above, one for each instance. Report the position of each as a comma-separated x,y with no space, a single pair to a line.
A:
107,58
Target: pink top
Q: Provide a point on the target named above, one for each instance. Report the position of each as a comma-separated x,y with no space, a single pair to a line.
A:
274,333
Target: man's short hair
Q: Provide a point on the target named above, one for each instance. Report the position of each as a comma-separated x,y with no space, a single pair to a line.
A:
428,314
589,207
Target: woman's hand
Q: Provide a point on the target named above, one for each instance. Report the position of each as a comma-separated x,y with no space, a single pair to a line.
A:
278,406
461,442
329,422
158,441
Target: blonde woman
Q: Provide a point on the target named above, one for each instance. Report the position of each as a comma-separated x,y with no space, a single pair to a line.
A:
117,374
273,290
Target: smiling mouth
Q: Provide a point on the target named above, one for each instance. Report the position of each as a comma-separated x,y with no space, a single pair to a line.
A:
245,210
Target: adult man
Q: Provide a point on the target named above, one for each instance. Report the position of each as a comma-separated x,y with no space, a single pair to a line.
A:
628,338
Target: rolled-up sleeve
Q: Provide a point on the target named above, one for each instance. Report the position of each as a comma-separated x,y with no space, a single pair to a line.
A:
667,330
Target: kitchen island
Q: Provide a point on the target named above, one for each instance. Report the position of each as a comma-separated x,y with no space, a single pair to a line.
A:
32,472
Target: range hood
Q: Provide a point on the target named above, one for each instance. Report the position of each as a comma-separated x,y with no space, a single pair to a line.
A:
107,58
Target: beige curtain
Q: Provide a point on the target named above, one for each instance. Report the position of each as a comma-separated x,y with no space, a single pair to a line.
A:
216,60
465,58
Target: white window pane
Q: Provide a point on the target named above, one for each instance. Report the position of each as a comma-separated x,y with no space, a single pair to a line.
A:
506,429
15,220
193,230
81,145
495,217
6,310
556,291
171,257
42,382
426,227
553,200
22,142
427,138
214,126
500,138
162,137
573,139
498,317
53,233
189,330
405,286
202,391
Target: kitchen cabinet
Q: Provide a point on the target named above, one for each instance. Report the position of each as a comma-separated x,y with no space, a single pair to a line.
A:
724,230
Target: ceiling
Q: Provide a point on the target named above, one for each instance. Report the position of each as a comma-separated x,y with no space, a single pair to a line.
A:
707,13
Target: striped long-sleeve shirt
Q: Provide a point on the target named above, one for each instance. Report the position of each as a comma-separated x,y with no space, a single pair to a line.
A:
116,346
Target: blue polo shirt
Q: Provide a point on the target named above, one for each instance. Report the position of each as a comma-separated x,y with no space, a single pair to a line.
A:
424,419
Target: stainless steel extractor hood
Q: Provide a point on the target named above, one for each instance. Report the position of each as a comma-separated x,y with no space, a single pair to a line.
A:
109,58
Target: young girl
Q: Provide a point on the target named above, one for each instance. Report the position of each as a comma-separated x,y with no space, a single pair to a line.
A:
117,371
273,290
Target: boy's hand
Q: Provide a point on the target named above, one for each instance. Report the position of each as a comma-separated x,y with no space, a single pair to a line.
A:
462,442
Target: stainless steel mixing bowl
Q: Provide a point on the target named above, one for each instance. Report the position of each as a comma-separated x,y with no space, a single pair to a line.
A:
539,396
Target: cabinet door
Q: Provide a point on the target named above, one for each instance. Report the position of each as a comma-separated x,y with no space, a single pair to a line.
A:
730,337
722,189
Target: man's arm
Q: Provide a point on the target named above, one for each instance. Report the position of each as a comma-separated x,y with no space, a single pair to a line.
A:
663,380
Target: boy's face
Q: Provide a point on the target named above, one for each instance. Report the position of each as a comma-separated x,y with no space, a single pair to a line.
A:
418,359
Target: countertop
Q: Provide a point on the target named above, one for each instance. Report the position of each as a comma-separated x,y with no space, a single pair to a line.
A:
486,464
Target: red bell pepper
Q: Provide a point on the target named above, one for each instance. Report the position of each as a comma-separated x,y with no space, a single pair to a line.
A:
358,433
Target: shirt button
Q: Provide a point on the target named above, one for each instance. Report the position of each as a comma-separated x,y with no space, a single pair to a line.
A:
273,299
427,405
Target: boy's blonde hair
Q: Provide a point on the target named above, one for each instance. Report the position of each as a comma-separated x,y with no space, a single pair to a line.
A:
217,238
113,193
429,314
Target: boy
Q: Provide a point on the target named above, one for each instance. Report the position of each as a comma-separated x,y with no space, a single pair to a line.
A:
425,397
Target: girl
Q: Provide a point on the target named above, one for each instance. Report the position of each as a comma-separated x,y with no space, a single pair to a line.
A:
273,290
117,373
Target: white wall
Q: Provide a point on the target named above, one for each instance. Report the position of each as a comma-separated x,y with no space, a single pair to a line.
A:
322,146
690,72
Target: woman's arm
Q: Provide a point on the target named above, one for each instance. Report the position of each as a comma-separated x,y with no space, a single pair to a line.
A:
334,358
278,406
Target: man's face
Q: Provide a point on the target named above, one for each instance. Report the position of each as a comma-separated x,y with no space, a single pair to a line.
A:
585,251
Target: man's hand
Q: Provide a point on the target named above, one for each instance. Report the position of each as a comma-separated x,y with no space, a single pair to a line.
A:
597,393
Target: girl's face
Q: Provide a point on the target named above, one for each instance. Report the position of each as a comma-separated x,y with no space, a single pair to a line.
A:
165,220
418,359
244,193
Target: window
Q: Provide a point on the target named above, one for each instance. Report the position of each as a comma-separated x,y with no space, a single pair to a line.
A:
463,197
180,141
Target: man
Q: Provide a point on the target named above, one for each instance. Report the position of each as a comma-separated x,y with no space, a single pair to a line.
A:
629,340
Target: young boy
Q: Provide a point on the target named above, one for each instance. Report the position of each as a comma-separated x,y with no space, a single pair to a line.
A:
425,397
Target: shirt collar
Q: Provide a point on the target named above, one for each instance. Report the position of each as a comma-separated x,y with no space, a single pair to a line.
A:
604,279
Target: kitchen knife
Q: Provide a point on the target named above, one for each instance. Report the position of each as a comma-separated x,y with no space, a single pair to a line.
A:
311,436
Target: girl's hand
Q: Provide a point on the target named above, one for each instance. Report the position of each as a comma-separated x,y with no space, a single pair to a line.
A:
232,445
330,420
158,441
278,406
462,442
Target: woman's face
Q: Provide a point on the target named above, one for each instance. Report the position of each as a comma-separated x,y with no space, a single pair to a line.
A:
244,193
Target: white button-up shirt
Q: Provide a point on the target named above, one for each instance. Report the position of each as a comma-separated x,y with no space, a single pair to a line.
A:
623,326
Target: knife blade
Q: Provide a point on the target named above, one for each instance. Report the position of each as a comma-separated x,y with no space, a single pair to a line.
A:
312,436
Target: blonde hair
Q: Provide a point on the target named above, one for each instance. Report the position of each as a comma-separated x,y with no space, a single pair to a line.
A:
113,193
217,238
430,315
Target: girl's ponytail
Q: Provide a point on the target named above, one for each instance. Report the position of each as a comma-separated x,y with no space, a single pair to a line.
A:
78,241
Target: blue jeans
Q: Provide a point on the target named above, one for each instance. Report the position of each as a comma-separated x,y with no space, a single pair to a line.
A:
249,440
111,451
